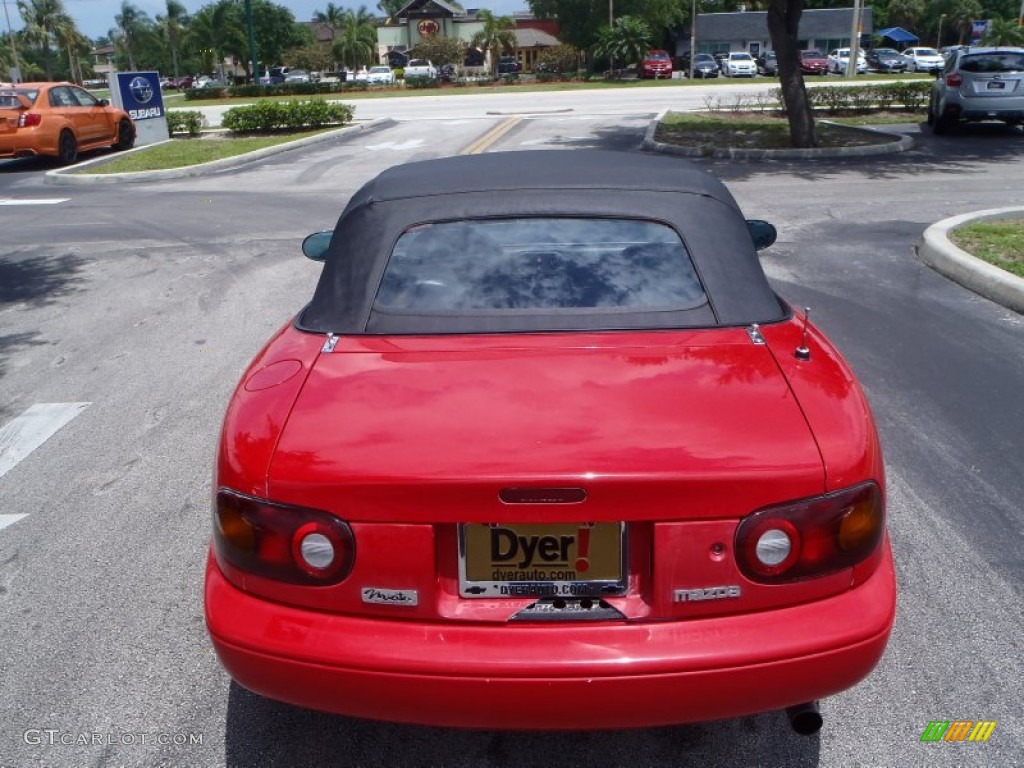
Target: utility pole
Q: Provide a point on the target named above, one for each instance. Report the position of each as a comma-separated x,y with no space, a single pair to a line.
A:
252,42
16,67
693,34
851,65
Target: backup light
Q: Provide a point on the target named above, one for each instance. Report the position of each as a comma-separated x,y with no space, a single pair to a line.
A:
281,542
811,537
773,547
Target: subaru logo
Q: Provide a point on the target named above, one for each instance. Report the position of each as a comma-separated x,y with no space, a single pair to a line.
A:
141,90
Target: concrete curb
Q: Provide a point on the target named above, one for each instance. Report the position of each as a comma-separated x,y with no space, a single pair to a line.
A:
900,145
73,176
972,273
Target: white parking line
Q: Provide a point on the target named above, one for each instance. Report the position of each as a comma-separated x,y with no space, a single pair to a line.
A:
21,436
36,201
6,520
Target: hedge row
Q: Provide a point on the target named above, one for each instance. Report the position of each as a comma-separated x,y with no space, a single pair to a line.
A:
838,99
268,116
180,121
279,89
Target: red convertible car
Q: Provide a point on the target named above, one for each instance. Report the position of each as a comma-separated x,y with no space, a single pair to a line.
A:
545,451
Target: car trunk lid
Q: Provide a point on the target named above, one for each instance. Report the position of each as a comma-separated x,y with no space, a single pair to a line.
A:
679,425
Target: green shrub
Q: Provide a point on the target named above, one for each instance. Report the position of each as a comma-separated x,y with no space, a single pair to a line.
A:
269,116
180,121
911,95
220,92
398,72
421,81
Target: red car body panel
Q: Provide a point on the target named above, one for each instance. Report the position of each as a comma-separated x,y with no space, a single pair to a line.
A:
636,418
259,408
594,675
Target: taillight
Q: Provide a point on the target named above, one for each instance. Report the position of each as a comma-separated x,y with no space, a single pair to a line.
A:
954,80
282,542
29,119
811,537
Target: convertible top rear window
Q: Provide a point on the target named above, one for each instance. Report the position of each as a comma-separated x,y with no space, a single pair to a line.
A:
529,264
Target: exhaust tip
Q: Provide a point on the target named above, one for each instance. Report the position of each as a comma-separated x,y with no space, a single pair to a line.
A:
805,719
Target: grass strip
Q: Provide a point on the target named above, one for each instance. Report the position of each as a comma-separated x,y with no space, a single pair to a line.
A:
751,130
999,242
179,153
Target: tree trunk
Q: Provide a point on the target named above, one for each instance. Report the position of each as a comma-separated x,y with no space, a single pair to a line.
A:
47,65
783,28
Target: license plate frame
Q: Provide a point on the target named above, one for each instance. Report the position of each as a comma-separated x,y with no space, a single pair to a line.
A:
542,560
996,85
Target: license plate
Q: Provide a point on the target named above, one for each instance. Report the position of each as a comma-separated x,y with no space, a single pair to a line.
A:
996,85
541,559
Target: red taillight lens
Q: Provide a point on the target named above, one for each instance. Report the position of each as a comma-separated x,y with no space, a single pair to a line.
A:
292,544
29,119
954,80
811,537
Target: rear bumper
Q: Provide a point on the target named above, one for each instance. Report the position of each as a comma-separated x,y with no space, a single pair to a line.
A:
586,676
985,108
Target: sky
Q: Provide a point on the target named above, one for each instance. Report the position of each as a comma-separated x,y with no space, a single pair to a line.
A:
96,17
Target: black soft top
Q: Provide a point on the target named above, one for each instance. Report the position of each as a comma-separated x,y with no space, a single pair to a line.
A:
548,183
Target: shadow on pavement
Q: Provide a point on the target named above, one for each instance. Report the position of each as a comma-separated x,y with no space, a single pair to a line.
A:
267,733
960,152
38,280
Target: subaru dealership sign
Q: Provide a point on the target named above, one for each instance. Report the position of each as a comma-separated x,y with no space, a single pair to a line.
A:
138,94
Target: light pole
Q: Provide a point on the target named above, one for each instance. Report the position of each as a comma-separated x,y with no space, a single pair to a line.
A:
252,43
851,64
693,34
938,35
16,67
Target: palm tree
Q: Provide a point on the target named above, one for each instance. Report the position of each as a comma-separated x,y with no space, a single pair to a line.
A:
213,30
42,20
71,40
627,41
390,8
172,28
333,17
1004,32
498,33
356,45
132,23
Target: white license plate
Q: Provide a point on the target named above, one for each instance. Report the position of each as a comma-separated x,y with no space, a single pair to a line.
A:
541,559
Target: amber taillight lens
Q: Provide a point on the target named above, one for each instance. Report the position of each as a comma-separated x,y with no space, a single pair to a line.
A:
282,542
811,537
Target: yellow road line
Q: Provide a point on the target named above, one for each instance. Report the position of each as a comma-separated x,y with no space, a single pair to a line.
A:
489,138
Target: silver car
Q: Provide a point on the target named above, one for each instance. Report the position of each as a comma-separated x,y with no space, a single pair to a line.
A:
979,84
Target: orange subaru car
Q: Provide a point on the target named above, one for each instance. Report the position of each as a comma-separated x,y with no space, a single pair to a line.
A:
59,120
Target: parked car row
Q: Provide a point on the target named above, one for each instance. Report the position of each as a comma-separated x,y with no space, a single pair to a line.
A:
813,62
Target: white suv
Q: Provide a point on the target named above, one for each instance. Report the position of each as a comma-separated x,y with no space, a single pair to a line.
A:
923,60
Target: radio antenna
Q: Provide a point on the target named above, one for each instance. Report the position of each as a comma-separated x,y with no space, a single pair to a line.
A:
803,352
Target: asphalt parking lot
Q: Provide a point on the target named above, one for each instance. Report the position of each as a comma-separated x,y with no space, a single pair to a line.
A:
146,301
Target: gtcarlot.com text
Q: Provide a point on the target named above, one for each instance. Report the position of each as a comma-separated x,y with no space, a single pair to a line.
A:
51,737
